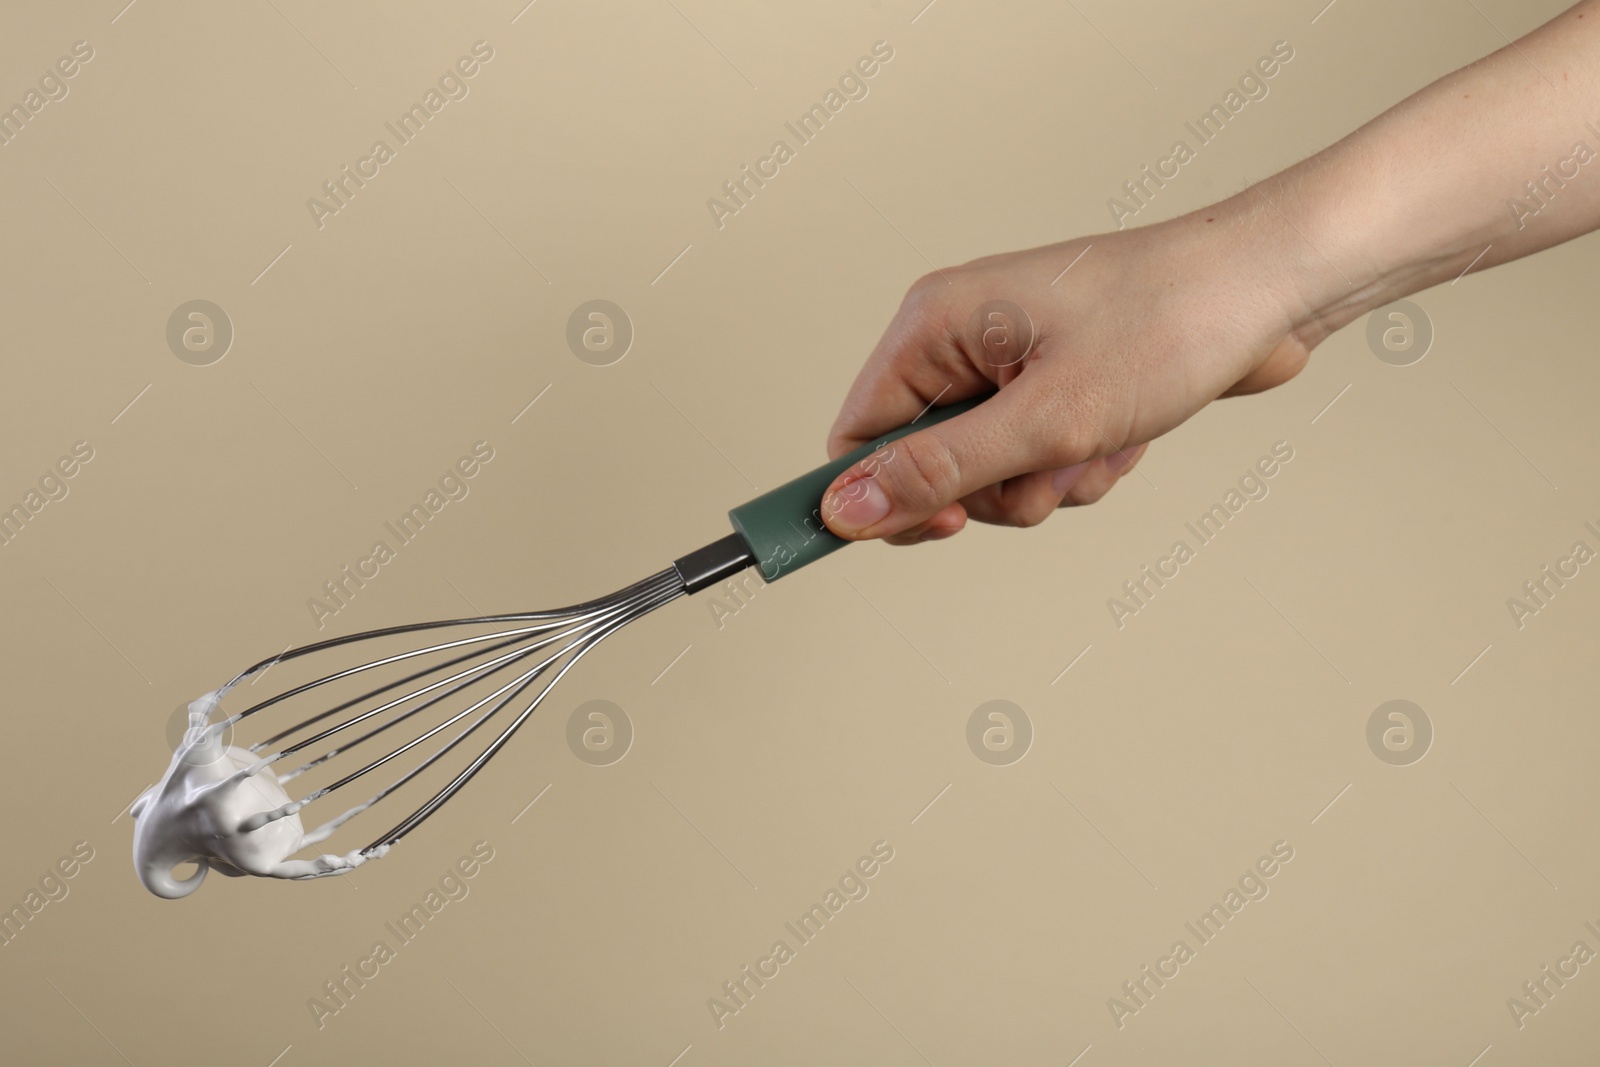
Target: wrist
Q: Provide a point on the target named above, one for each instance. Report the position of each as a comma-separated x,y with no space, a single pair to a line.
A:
1258,241
1348,231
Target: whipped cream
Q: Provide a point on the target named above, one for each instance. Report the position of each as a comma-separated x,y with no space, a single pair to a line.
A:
221,806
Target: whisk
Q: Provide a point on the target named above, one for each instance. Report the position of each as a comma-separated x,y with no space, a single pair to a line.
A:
453,696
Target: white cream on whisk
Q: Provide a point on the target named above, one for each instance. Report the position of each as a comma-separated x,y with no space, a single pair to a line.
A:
199,810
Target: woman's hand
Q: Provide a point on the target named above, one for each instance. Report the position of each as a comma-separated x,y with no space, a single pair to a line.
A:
1146,328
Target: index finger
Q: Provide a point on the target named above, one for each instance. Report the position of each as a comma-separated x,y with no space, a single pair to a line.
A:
918,362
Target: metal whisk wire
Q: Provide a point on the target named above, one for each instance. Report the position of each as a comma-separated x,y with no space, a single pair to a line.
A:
564,635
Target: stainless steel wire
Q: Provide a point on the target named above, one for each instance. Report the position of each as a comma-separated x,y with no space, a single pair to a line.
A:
536,650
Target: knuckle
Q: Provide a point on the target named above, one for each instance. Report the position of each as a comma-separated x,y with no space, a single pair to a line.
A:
932,282
928,300
1083,495
928,475
1032,514
1031,507
918,299
1070,421
1071,440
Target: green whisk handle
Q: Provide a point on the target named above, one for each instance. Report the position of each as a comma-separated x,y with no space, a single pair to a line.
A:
784,529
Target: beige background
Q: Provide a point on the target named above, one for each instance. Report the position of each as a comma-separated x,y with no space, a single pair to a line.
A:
822,718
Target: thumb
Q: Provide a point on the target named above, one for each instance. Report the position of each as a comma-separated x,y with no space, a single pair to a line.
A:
907,482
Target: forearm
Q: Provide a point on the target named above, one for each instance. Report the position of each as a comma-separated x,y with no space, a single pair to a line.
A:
1227,300
1498,156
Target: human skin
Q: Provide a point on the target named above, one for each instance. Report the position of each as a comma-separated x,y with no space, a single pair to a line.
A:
1154,323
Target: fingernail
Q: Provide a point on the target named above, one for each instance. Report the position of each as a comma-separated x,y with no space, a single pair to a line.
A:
936,533
1066,477
856,505
1118,462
